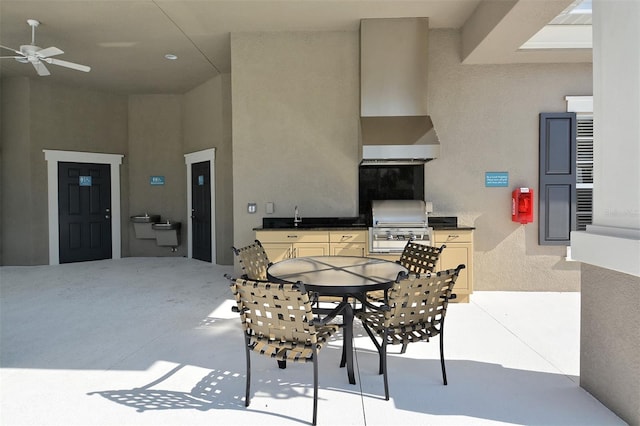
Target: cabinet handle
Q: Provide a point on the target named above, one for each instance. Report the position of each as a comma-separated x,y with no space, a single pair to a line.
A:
453,236
292,236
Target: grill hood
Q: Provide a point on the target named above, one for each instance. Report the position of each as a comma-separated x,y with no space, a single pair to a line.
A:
394,123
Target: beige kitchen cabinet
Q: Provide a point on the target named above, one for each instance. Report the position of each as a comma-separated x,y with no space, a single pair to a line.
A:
347,243
390,257
459,250
287,244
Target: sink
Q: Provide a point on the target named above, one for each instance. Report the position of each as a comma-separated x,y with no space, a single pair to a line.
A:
145,218
166,226
142,225
167,234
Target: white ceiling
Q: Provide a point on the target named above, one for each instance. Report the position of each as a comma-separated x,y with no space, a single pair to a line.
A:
124,41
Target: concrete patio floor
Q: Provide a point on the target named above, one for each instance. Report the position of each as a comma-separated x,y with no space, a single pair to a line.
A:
153,341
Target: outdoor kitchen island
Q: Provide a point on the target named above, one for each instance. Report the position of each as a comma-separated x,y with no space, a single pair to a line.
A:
348,237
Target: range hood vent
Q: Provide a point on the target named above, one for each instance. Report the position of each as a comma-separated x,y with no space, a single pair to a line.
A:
398,139
394,124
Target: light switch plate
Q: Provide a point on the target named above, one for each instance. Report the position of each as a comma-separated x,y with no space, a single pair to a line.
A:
252,208
269,209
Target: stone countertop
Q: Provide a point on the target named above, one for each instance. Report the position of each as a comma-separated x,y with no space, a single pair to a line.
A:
317,228
453,228
356,228
438,223
447,223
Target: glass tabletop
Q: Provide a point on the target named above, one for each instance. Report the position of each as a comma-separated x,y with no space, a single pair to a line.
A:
337,275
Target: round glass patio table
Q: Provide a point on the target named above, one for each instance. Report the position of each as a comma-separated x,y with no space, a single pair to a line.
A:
343,276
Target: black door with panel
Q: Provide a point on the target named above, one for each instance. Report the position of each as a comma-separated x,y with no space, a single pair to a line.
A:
201,211
84,211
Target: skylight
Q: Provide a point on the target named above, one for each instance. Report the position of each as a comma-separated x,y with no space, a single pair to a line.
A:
571,29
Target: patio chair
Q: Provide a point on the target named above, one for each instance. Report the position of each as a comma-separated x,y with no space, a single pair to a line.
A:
416,311
253,260
418,259
278,323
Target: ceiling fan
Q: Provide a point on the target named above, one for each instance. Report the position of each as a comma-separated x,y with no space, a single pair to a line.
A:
30,53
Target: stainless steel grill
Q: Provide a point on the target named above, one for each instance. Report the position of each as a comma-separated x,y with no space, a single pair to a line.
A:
397,221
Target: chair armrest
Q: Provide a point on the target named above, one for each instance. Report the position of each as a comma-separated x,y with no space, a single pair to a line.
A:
383,307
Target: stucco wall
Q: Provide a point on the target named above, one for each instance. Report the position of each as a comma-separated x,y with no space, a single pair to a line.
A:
295,142
155,149
487,120
17,235
609,344
36,116
207,124
610,318
295,125
152,131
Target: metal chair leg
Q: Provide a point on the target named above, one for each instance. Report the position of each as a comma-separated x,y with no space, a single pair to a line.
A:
444,371
248,386
383,365
315,386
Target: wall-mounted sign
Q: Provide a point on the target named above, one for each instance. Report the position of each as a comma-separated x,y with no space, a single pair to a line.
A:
200,180
156,180
496,179
85,181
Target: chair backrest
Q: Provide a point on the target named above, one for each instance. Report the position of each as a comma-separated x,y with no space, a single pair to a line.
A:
420,258
420,301
253,260
276,317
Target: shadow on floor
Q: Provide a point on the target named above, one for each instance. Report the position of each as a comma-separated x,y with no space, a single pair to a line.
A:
475,390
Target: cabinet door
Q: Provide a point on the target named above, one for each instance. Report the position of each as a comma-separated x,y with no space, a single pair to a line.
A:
277,251
347,249
310,249
452,256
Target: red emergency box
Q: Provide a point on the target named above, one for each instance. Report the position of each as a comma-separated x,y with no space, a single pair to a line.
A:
522,205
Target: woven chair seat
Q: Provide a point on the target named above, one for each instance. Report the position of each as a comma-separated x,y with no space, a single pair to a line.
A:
401,334
290,351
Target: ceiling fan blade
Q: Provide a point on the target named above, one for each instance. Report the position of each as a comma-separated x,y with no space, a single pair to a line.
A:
11,57
67,64
40,68
49,51
13,50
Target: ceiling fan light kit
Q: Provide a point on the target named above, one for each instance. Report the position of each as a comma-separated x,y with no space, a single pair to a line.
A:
37,56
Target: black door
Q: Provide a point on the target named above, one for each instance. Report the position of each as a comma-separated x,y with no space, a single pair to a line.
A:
201,210
84,203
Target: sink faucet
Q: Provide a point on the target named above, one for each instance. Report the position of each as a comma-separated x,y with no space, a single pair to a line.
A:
296,216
